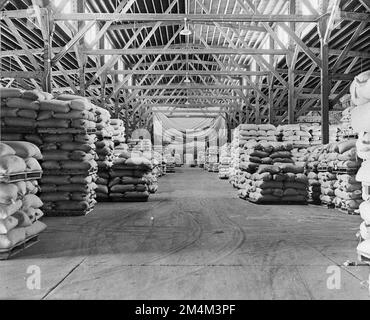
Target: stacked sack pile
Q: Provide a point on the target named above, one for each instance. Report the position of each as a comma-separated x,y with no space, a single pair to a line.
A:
360,116
252,155
256,132
296,134
151,177
247,136
67,128
345,130
274,178
19,205
105,151
118,131
348,190
235,151
225,160
212,159
327,187
157,164
19,111
326,164
128,178
201,158
314,186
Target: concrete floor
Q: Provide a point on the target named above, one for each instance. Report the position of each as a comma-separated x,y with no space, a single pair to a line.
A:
204,243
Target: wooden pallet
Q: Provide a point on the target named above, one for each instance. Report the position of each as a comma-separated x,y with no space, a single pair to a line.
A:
66,130
127,200
348,171
352,212
21,130
5,254
289,203
21,176
70,172
67,213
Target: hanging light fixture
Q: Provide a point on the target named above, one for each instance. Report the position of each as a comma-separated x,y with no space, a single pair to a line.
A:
186,31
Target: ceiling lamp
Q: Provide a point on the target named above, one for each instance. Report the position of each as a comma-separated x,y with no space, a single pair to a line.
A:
187,80
186,31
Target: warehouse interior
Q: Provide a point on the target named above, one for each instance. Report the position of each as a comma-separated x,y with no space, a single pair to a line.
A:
184,149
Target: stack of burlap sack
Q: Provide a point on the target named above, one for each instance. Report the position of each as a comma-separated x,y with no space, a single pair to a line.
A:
348,192
201,158
327,186
360,121
296,134
256,132
104,143
245,137
118,134
21,109
272,175
313,161
104,150
314,187
340,155
235,151
170,164
69,154
19,204
345,129
128,178
152,182
225,160
300,156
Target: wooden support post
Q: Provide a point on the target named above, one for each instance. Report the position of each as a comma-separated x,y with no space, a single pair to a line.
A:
245,102
103,78
257,100
47,25
81,4
291,75
325,84
127,121
271,112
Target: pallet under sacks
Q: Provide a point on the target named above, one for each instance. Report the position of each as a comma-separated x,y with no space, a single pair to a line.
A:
128,181
68,184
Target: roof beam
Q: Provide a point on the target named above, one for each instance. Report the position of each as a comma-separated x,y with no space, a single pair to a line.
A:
191,72
190,17
158,51
129,26
335,52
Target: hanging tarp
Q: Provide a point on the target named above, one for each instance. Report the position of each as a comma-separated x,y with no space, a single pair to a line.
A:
174,130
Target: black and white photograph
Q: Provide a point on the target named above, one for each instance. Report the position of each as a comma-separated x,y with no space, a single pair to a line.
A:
185,156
